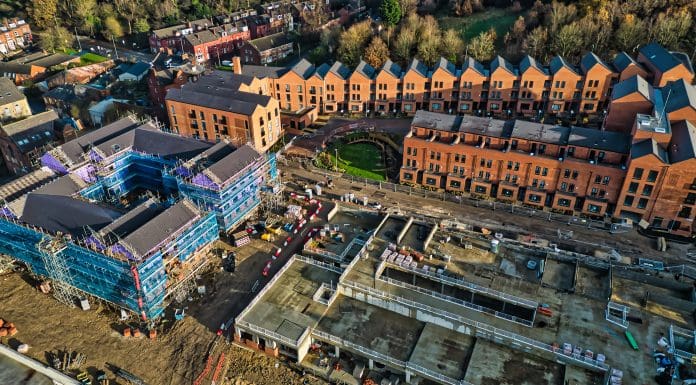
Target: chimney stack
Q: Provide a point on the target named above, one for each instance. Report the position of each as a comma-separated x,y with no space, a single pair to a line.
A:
237,65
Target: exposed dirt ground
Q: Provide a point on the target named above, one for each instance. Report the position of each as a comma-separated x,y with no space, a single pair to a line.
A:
178,354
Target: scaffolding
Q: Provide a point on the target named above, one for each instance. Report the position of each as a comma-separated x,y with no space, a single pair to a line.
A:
51,250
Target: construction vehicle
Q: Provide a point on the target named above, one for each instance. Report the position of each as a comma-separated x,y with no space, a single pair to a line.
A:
101,377
267,237
83,377
273,230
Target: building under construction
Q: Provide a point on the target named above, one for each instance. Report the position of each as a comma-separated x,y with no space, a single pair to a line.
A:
127,213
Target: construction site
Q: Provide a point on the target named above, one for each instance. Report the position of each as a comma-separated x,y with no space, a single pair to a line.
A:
379,298
126,214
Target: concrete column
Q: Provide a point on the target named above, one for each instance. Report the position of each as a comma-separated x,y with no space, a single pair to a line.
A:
408,377
337,351
255,338
271,344
238,331
371,364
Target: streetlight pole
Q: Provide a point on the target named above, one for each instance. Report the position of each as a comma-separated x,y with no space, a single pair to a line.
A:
336,151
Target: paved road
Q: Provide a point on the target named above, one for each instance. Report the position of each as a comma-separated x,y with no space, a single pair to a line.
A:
101,47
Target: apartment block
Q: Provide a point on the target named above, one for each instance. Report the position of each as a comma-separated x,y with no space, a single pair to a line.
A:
226,106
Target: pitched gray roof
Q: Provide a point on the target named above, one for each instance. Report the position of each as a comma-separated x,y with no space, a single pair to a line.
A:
682,145
65,214
470,62
271,41
632,85
303,68
365,69
44,60
468,124
33,131
418,66
659,57
499,61
529,62
446,65
222,99
679,94
263,71
540,132
230,165
148,139
138,68
392,69
340,70
646,147
165,225
9,93
590,60
75,148
559,62
622,60
600,140
322,70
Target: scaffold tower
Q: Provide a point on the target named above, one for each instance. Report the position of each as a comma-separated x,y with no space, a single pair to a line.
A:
51,250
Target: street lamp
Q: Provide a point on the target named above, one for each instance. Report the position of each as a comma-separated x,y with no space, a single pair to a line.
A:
336,151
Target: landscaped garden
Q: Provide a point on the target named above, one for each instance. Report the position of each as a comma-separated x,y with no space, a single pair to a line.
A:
362,159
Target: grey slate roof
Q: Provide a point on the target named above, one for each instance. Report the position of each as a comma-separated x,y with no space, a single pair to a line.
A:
131,221
66,185
446,65
9,93
65,214
470,62
340,70
684,58
271,41
138,68
217,98
75,148
160,228
221,79
499,61
322,70
15,68
418,66
646,147
600,140
263,71
33,131
559,62
590,60
540,132
682,145
303,68
622,60
679,94
49,60
467,124
365,69
632,85
148,139
659,57
529,62
230,165
392,69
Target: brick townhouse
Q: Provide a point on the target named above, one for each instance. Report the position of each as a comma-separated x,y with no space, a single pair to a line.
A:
641,165
15,34
216,42
501,89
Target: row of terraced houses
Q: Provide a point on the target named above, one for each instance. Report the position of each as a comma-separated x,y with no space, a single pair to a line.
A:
640,165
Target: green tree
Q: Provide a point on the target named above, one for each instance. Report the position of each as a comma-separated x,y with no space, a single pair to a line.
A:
85,14
536,43
353,41
451,45
404,42
482,47
671,28
391,11
112,28
55,38
376,53
568,41
429,40
631,32
141,25
408,7
43,13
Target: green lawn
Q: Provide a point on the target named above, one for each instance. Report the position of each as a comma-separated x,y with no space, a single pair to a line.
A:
92,58
363,160
470,26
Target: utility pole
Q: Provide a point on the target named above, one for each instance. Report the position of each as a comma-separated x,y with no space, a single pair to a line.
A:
78,39
114,43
